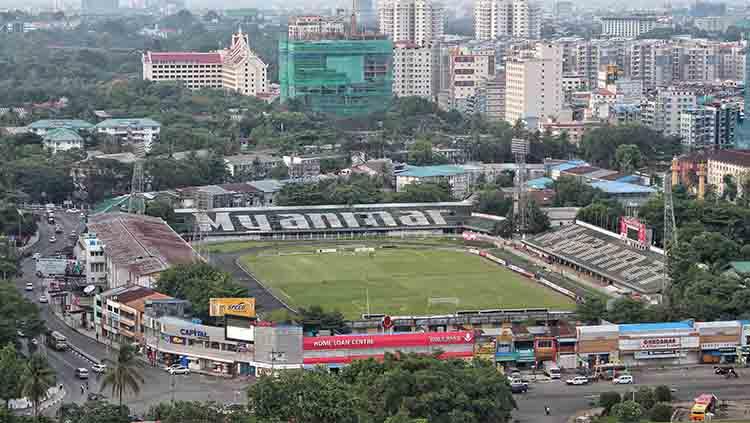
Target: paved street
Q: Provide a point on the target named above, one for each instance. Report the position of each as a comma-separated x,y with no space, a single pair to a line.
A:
565,400
158,387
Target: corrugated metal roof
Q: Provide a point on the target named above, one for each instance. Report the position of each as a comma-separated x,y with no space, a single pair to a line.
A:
651,327
740,266
76,124
613,187
540,183
432,171
62,134
130,123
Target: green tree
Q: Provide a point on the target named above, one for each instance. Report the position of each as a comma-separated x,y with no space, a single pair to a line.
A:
661,412
421,154
730,188
304,396
609,399
591,310
198,283
123,376
37,379
662,393
627,310
572,192
538,220
197,411
93,412
645,397
600,145
315,319
12,368
428,192
627,411
628,158
494,202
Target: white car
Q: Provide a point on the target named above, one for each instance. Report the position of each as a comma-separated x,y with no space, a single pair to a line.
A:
177,369
37,256
99,368
72,210
43,299
578,380
52,239
29,286
623,380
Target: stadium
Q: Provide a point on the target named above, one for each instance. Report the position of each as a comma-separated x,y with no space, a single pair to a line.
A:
396,259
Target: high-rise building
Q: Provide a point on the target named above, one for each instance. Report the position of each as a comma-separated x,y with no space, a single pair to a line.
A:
344,77
415,70
533,85
563,10
236,68
314,26
418,21
627,26
507,18
468,68
664,112
365,13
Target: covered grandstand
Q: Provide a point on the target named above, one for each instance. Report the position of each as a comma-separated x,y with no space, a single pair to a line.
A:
335,221
602,254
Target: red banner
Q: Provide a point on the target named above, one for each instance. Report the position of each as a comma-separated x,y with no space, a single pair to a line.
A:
379,357
397,340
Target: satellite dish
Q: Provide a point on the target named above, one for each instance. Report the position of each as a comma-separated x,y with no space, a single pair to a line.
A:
89,289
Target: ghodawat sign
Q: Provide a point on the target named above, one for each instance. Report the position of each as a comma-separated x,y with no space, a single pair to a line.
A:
242,307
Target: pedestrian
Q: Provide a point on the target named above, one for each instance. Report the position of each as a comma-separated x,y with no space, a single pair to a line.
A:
87,385
81,389
97,336
546,410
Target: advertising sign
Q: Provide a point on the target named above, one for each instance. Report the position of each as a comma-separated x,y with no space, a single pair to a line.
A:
239,329
660,343
633,229
388,341
243,307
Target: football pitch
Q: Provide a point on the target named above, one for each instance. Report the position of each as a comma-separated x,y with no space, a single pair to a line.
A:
399,281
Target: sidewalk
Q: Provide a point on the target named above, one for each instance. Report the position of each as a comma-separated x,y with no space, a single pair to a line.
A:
24,406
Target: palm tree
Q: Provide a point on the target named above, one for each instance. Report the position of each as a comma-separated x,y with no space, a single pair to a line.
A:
38,377
122,376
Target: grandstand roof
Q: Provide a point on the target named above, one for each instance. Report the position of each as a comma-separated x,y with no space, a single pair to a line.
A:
614,187
604,254
650,327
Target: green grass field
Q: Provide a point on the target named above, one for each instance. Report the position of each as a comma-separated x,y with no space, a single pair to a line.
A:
398,281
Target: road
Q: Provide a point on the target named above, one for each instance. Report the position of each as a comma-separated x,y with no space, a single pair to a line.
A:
158,385
565,401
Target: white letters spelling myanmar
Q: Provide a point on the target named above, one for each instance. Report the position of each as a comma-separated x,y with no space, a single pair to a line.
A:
230,222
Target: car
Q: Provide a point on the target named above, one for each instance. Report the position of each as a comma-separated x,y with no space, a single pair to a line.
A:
518,386
83,215
623,380
72,210
58,229
20,333
73,234
43,299
578,380
34,341
93,396
29,286
37,256
52,239
99,368
82,373
177,369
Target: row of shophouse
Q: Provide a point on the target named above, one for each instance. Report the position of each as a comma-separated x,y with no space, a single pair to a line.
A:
161,326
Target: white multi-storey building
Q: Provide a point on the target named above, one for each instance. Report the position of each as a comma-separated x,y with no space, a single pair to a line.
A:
415,70
627,26
139,132
533,85
507,18
697,128
236,68
469,67
663,112
418,21
89,251
310,27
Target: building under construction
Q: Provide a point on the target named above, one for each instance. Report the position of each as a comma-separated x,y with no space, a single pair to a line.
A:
339,75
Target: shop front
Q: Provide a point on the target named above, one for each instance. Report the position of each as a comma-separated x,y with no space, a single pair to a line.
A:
198,347
659,344
596,345
337,351
719,341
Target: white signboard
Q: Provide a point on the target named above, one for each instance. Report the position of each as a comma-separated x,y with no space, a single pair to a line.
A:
51,266
660,343
718,345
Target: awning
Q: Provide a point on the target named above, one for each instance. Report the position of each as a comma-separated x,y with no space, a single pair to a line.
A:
506,356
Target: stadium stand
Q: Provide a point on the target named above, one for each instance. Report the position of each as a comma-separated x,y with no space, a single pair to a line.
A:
602,254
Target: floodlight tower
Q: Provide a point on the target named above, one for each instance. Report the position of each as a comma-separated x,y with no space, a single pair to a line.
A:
520,148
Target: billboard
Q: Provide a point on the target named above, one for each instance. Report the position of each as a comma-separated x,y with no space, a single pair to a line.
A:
243,307
392,341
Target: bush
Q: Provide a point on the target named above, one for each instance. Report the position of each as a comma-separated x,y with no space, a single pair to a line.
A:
627,411
661,412
662,393
645,397
607,400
